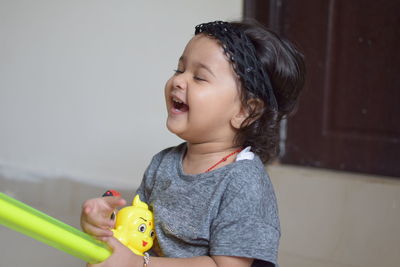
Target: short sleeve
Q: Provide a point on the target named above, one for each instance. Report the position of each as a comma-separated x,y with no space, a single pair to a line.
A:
146,186
247,224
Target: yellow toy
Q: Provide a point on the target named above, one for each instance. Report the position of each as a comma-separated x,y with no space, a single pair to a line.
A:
134,227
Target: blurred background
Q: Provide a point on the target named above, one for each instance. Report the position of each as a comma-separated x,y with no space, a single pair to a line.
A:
82,110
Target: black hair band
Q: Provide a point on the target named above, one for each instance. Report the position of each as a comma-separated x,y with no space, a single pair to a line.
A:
241,52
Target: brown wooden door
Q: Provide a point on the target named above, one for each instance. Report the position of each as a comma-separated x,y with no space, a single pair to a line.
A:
349,113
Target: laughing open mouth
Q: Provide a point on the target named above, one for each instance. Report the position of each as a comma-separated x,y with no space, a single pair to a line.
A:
179,105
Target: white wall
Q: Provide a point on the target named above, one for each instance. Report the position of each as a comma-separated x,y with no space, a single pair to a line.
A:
81,82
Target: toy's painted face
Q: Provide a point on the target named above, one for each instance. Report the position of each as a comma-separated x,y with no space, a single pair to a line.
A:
141,231
134,227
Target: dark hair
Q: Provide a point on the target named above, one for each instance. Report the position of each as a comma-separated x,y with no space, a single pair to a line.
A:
285,67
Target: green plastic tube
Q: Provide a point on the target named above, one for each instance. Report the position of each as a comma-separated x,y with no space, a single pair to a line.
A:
42,227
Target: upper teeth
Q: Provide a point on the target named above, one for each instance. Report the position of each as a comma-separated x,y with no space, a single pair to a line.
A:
177,100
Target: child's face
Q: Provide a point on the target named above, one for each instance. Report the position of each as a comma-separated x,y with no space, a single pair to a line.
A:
202,97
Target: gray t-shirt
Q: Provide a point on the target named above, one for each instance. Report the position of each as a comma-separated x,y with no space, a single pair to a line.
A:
229,211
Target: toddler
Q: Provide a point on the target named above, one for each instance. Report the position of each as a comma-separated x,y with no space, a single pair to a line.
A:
213,202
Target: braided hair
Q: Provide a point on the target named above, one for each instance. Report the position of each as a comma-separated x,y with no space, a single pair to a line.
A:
271,72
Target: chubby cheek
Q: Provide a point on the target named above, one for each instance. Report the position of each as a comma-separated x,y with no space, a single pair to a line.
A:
211,105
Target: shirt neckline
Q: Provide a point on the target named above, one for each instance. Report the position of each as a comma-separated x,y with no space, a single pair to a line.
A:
182,149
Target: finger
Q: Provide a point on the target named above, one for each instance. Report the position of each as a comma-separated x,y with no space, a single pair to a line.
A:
101,219
114,202
98,205
96,231
97,220
89,204
99,216
86,209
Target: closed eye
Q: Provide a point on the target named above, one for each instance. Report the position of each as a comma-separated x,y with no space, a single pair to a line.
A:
178,71
199,79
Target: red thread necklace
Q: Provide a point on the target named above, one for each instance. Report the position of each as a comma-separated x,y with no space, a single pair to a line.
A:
223,159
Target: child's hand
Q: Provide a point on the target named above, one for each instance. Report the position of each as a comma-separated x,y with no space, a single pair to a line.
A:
96,215
121,256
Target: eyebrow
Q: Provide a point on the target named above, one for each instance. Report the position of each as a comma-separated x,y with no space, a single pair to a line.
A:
143,219
199,65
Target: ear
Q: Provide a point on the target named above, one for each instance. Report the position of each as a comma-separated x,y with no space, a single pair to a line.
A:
253,107
138,203
239,118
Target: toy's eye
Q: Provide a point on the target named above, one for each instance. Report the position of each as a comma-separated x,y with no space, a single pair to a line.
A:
142,228
152,234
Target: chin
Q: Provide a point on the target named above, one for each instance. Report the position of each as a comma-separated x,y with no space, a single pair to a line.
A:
178,132
173,128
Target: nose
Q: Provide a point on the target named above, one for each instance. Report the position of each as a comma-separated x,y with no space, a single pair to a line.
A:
179,81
